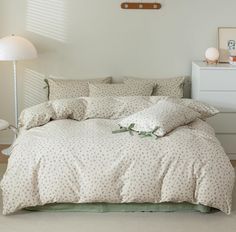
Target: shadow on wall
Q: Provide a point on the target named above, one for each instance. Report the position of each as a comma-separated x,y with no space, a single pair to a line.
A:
34,88
187,87
47,18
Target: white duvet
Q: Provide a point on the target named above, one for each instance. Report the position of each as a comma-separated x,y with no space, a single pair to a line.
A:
80,161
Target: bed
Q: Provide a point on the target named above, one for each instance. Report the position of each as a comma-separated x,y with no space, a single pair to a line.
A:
74,155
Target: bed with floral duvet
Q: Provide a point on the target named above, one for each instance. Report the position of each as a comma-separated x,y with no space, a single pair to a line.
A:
138,151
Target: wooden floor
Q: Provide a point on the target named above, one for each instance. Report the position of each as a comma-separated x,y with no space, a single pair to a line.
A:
233,163
3,158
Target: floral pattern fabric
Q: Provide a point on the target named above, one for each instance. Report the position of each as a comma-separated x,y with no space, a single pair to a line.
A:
62,88
102,107
83,162
160,118
115,90
173,87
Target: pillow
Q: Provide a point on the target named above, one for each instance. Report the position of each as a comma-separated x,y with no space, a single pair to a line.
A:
163,87
41,114
116,107
59,88
36,116
104,90
159,119
73,108
205,110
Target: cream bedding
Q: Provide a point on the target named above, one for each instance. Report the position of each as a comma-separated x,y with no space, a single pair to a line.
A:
69,161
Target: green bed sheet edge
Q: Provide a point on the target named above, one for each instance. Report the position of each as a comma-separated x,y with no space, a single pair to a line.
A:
130,207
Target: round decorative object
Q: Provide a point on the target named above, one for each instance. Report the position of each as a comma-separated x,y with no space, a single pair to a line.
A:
3,124
212,55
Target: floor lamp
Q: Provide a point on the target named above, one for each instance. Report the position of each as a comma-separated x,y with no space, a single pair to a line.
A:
15,48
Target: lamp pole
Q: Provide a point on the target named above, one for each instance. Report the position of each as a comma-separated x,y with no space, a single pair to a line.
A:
15,93
14,48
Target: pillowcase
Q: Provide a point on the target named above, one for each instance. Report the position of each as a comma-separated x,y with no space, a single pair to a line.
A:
163,87
41,114
61,89
159,119
104,90
73,108
205,110
36,116
115,107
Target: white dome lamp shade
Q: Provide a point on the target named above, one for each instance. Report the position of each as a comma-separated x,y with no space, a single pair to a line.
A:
14,48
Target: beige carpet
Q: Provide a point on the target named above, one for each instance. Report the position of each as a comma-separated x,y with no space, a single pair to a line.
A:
112,222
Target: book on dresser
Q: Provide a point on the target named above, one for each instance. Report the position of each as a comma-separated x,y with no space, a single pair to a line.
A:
216,85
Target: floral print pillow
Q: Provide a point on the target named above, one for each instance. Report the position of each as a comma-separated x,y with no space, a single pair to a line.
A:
36,116
159,119
173,87
116,90
61,88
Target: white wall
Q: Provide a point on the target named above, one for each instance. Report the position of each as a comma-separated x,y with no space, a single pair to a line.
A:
88,38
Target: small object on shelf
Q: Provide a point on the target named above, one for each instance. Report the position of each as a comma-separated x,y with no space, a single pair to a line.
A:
140,6
212,56
232,57
227,42
232,60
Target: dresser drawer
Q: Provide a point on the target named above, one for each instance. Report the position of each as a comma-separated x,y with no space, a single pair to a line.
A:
228,142
224,123
224,80
224,101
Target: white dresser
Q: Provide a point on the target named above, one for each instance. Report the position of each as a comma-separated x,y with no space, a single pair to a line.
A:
216,85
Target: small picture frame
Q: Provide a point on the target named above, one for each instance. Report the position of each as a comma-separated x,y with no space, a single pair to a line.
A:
226,42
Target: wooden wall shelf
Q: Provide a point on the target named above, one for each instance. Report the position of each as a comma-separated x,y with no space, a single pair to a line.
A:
140,6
